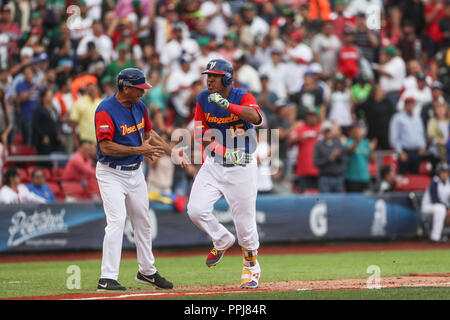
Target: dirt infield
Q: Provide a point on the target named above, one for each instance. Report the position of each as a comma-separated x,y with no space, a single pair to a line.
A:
441,280
413,280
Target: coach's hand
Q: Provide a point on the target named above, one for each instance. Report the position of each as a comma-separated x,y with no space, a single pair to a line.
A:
219,100
150,151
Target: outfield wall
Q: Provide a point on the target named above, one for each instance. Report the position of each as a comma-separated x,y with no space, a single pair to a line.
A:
296,218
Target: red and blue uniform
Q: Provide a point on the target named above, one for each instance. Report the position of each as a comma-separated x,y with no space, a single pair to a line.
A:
230,126
122,125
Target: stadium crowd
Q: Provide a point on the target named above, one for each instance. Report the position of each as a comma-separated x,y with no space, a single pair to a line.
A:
342,80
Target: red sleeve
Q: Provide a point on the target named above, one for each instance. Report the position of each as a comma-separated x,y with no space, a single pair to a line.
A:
200,127
104,126
147,123
248,100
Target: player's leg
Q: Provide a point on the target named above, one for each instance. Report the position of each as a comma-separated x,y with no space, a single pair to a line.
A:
138,210
113,196
241,195
204,193
439,214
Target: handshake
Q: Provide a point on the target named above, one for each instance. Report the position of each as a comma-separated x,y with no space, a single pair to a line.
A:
219,100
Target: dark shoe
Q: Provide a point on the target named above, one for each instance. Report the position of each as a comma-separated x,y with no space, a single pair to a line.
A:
155,280
109,284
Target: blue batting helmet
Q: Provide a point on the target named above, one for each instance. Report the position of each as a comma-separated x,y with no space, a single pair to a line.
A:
223,67
132,77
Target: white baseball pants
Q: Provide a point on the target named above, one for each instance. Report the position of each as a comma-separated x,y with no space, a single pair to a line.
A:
124,192
439,212
238,185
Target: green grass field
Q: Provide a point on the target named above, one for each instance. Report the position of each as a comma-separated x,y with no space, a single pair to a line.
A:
50,278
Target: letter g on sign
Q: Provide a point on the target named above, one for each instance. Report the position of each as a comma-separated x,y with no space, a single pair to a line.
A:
318,221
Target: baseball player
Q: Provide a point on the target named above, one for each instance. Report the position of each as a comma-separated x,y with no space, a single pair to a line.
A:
124,138
224,121
435,201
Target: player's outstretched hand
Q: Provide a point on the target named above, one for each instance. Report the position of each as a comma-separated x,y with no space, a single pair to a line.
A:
150,151
219,100
180,157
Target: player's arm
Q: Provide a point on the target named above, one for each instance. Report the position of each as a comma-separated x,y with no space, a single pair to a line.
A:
105,129
247,110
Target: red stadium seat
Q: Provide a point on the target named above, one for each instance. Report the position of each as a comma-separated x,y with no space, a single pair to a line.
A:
92,187
425,168
57,191
75,190
390,160
24,176
412,182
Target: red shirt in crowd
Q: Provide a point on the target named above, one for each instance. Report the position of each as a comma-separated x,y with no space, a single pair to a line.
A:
305,157
79,168
348,61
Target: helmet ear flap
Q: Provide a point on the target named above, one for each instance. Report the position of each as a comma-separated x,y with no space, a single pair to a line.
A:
227,80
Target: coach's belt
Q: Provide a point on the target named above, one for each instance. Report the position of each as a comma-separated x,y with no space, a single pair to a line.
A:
124,167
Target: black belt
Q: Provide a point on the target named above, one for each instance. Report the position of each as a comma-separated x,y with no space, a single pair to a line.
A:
131,167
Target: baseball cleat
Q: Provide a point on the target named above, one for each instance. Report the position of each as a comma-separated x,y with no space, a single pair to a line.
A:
154,280
249,279
109,284
215,255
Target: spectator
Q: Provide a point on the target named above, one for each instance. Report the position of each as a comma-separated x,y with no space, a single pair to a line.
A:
179,85
206,54
80,166
331,160
340,18
407,138
409,45
341,105
123,61
258,26
263,158
82,24
277,71
82,114
156,99
377,112
392,71
246,76
305,137
14,192
349,56
299,56
388,178
421,93
438,133
360,90
39,186
161,171
359,150
180,45
101,41
63,102
325,46
27,92
437,97
229,47
366,39
217,13
46,126
435,201
309,97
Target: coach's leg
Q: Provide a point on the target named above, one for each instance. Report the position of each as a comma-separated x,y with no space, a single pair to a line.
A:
113,197
137,204
204,193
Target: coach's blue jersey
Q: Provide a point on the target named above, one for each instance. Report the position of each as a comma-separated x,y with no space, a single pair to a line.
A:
124,126
225,126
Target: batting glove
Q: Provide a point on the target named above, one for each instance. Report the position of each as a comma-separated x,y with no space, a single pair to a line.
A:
217,99
237,157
